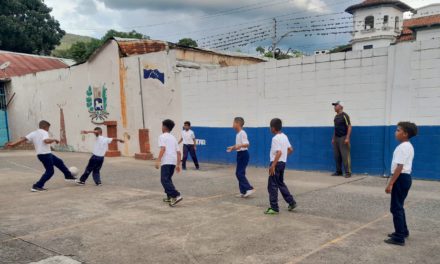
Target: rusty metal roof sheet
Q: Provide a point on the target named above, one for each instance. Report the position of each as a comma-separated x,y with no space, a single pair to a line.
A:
21,64
129,47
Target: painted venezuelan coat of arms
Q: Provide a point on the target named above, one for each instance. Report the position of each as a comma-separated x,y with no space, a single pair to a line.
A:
97,104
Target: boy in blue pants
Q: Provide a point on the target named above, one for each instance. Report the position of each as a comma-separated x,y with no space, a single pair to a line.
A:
241,146
97,159
400,183
41,140
169,161
279,151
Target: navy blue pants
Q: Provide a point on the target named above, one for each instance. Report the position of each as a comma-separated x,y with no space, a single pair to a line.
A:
94,165
240,172
398,195
49,161
192,152
166,175
275,183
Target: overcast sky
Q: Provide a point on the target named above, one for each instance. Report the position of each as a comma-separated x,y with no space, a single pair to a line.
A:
210,19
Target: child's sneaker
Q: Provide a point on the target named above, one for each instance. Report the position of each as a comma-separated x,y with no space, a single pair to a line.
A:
98,184
248,193
167,200
271,211
291,206
80,182
37,189
175,201
240,195
70,179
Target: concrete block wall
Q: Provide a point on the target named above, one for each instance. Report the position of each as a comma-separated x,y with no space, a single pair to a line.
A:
379,87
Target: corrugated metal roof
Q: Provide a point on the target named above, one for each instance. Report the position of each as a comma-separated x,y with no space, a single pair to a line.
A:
21,64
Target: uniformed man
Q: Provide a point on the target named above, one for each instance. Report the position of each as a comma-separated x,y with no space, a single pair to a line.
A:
341,141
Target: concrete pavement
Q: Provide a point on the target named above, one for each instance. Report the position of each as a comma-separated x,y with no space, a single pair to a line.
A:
338,220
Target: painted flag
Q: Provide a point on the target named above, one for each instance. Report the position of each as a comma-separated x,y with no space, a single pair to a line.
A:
154,74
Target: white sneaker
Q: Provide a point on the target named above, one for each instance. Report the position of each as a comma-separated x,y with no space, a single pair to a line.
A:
240,195
248,193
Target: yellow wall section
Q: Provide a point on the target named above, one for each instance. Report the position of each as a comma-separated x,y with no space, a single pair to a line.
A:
122,78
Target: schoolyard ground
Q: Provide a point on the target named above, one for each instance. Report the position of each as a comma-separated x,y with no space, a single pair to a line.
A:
338,220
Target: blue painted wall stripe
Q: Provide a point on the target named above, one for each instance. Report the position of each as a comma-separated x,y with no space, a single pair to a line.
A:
372,148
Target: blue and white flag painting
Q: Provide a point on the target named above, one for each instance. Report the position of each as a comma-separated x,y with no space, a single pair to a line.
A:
154,74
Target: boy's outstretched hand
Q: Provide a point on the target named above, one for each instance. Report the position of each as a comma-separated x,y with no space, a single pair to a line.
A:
230,149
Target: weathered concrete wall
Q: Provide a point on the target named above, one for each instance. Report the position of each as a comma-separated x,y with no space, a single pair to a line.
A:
379,87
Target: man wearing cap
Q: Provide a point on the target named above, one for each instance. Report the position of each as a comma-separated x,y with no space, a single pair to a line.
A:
341,141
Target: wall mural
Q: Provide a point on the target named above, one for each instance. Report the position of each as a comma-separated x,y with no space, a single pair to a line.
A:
97,104
154,74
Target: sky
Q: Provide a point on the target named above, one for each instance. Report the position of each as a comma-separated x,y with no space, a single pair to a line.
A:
215,23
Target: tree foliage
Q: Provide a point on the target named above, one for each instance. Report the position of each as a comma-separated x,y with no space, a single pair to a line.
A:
279,55
27,26
81,51
188,42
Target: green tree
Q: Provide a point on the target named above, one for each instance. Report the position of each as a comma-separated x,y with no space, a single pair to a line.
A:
27,26
81,51
188,42
132,34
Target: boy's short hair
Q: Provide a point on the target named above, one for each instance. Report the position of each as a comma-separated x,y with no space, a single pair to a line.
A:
409,128
276,124
43,124
239,120
169,124
187,123
98,129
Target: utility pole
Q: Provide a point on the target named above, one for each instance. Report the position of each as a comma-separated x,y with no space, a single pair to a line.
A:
274,38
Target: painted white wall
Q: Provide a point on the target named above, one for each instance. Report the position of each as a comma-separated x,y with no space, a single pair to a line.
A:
428,34
378,87
429,10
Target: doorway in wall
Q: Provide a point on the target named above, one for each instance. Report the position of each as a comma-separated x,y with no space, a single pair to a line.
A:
4,131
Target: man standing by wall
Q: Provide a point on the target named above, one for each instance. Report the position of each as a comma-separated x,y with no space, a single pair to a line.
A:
341,141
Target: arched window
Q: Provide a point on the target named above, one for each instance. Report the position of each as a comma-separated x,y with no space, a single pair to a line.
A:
396,23
385,20
369,22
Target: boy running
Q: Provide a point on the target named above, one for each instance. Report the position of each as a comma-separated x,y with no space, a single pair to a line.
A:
41,140
279,151
241,146
97,159
400,183
189,145
168,161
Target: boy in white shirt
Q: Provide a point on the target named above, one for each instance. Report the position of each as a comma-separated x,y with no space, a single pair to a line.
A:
241,146
97,159
41,140
189,145
400,183
279,151
168,161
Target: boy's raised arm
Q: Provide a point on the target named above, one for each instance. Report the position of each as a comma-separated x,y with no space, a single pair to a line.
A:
118,140
51,140
16,143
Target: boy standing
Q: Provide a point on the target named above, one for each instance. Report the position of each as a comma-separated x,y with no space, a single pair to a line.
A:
41,140
168,161
97,159
400,182
241,146
189,145
279,151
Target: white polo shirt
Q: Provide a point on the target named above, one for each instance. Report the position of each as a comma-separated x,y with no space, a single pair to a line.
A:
280,142
101,146
241,139
171,148
188,137
37,138
403,154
